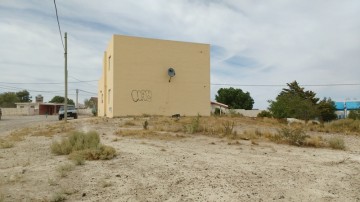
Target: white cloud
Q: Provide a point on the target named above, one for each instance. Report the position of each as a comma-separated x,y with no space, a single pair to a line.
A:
313,42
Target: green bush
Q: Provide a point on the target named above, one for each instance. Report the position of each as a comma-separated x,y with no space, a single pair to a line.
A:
217,111
94,112
265,114
354,114
146,125
294,136
83,145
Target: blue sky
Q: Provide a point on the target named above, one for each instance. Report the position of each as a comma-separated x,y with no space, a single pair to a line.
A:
252,42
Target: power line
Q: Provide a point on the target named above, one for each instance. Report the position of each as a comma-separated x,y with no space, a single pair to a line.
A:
279,85
57,17
50,83
87,92
83,81
39,91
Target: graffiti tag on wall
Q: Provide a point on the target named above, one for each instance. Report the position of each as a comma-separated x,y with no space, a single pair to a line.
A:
141,95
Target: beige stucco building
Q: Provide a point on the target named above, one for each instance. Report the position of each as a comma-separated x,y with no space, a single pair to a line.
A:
135,78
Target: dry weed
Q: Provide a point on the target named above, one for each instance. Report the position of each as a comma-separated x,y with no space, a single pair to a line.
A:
86,145
336,143
5,144
64,170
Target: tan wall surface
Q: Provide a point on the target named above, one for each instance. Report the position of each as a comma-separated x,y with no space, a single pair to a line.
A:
140,84
18,111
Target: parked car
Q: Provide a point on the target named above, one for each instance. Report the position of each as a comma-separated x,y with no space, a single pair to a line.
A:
71,112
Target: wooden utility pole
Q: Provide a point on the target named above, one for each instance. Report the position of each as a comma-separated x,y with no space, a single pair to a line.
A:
66,82
77,98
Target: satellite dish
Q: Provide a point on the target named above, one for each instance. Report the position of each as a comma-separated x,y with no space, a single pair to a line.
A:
171,73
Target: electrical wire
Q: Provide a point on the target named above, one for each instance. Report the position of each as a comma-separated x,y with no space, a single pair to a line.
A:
57,17
279,85
49,83
87,92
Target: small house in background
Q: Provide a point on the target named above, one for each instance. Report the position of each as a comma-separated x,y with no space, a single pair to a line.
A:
155,77
39,107
343,108
217,105
30,108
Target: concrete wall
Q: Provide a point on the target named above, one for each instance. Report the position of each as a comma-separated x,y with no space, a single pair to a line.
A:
84,111
248,113
135,78
18,111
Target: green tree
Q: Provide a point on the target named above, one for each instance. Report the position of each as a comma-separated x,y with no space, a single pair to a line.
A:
294,102
327,110
295,89
235,98
354,114
8,99
24,96
89,103
60,99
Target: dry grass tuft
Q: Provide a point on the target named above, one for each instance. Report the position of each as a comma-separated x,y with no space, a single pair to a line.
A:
345,126
336,143
5,144
315,141
64,170
86,145
130,123
149,134
58,197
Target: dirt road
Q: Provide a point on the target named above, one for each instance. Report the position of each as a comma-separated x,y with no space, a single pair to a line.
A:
8,123
13,122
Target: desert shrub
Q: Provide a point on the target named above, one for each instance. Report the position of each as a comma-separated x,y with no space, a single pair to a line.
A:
94,112
77,158
265,114
314,141
61,148
294,136
194,126
336,143
86,145
65,169
4,144
146,125
354,114
344,126
130,123
228,128
58,197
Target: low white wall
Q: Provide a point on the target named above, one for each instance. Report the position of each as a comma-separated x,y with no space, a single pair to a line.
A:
248,113
84,111
18,111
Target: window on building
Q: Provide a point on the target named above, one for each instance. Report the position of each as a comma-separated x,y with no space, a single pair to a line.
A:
109,96
21,106
32,106
109,62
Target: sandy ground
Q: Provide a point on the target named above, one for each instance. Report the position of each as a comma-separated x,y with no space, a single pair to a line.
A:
183,168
